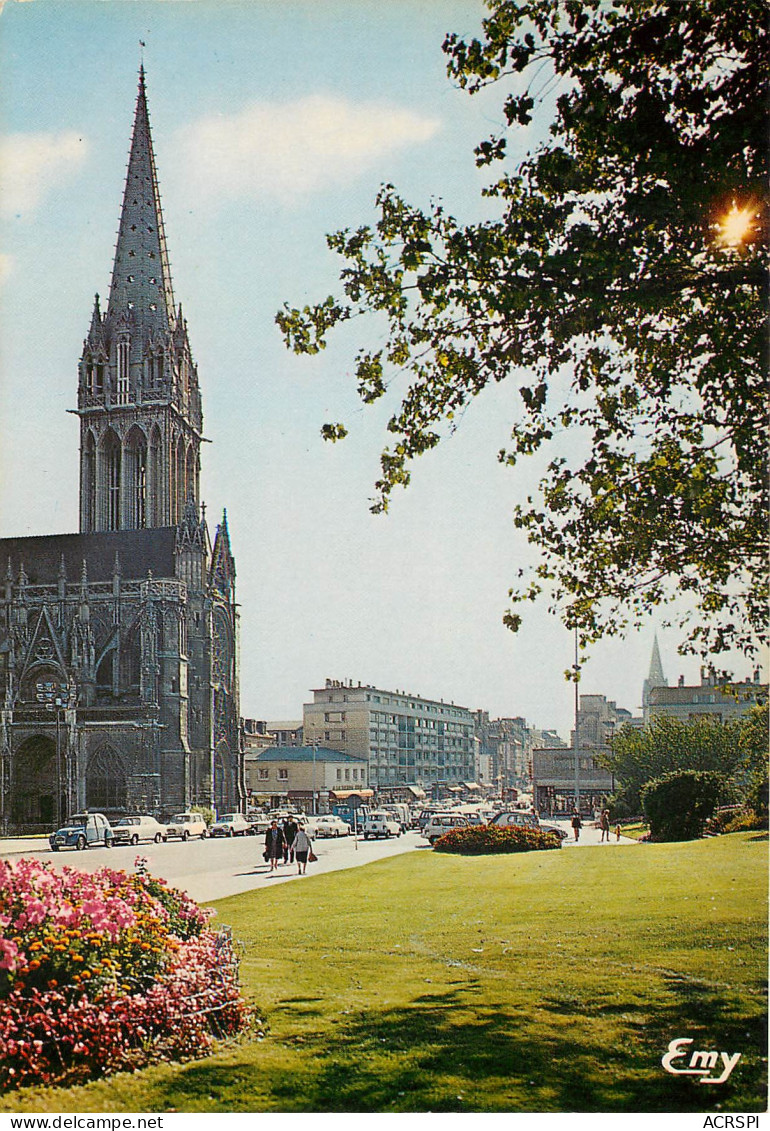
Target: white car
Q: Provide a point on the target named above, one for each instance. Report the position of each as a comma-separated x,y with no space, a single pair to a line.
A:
379,824
525,820
185,825
330,825
130,830
231,824
440,823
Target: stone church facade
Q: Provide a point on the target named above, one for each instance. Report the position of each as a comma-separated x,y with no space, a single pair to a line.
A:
119,645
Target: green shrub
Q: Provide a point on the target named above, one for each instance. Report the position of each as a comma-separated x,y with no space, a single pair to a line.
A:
478,840
677,805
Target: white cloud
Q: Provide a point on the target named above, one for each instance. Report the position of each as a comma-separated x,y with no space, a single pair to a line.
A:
33,164
293,148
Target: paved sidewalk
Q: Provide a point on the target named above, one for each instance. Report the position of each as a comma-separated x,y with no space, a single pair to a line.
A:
23,845
589,834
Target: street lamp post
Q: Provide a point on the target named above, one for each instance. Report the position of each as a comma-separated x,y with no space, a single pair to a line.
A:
315,806
577,726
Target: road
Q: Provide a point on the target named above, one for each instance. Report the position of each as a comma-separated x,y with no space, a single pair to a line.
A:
218,867
215,868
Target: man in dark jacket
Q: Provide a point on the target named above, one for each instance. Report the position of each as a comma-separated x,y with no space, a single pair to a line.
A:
290,830
275,842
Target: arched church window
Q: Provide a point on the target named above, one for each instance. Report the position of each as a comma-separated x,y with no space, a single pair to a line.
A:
112,480
124,351
135,478
89,485
155,479
181,485
106,780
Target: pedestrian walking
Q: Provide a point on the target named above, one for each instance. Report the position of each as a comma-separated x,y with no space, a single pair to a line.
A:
577,824
302,850
274,845
604,825
617,832
290,828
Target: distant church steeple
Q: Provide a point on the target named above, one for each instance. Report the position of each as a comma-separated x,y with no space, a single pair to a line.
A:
138,397
656,678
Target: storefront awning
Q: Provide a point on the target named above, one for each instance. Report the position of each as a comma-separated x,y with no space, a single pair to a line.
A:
344,794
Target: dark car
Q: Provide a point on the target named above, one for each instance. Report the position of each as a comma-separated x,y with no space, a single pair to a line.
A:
83,830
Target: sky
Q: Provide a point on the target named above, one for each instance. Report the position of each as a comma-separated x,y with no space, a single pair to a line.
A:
275,122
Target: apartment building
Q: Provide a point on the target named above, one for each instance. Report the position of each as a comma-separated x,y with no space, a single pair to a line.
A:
404,738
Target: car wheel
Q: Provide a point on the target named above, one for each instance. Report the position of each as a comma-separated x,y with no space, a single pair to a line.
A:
231,833
186,835
158,838
107,841
204,834
366,836
54,848
134,840
80,843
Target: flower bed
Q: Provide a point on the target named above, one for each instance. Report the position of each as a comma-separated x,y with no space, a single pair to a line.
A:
478,840
105,970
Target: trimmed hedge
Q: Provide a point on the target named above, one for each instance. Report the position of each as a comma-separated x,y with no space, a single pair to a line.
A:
678,805
479,840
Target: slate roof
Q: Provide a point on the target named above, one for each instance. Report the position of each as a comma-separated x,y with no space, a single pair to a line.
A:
305,754
138,551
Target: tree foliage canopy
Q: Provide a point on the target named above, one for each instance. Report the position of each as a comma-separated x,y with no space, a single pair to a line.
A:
668,745
623,287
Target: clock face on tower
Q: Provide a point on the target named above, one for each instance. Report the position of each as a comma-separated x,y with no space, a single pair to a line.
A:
222,651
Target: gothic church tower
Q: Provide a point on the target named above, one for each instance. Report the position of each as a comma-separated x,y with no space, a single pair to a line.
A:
138,396
119,644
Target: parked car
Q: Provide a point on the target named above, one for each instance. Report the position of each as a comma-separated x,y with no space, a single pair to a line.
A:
440,823
185,825
329,825
232,824
130,830
260,822
509,817
81,831
379,824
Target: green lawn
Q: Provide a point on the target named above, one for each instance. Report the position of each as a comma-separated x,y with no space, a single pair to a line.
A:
547,981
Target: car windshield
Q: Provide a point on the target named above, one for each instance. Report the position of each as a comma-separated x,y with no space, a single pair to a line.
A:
78,819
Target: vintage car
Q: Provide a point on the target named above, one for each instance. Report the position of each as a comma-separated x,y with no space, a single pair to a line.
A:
130,830
440,823
83,830
232,824
509,817
380,824
329,825
185,825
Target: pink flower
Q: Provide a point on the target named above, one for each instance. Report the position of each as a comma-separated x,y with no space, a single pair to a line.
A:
8,954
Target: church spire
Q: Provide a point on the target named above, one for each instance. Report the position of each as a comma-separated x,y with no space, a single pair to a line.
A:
141,276
656,678
139,462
